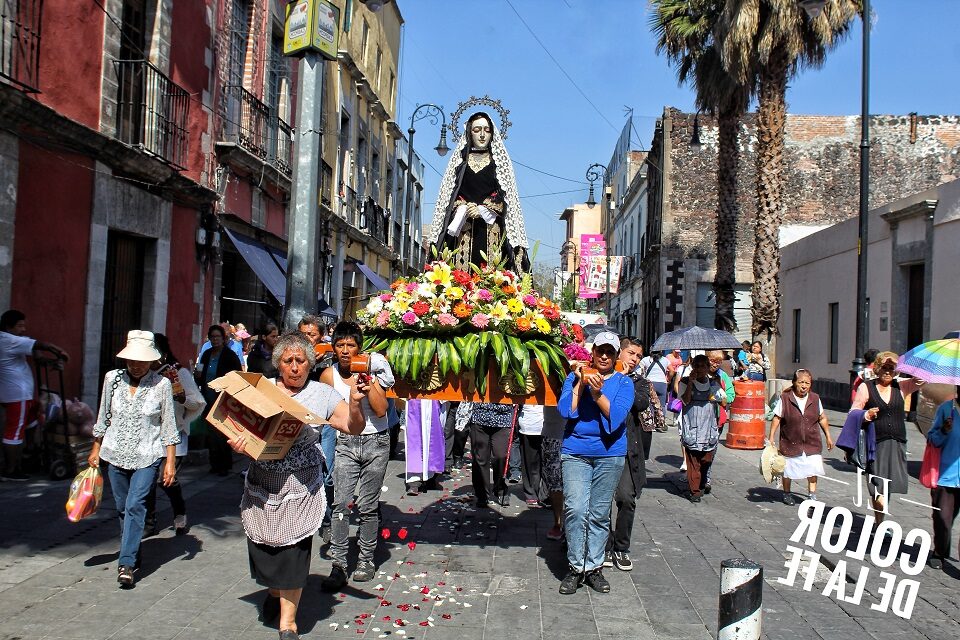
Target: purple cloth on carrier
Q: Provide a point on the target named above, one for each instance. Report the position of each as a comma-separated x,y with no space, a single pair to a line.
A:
436,450
849,437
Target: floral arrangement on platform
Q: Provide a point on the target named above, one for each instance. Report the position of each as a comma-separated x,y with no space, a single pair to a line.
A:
457,320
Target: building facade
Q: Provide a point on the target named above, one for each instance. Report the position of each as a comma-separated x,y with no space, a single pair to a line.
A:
912,271
147,167
909,154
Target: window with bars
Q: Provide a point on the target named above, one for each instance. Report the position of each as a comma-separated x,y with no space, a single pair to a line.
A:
239,37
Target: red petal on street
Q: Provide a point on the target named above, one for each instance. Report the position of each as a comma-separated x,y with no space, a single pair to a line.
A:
387,618
385,603
441,584
412,545
409,562
385,534
400,622
424,624
342,596
350,506
425,590
402,534
446,616
459,588
360,630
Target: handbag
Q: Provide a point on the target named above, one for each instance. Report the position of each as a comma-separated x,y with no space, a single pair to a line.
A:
674,404
930,467
86,491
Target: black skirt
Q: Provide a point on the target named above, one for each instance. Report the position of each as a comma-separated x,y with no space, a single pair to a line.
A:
280,567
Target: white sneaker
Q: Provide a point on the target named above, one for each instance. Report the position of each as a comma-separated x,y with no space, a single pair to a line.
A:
683,467
180,524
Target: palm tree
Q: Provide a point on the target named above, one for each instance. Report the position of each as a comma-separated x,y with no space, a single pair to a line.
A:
770,41
684,31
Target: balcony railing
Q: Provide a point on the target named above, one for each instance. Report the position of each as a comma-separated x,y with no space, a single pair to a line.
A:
283,149
254,126
245,120
20,43
152,111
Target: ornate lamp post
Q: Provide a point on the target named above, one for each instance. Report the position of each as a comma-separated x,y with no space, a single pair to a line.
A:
593,174
813,9
434,113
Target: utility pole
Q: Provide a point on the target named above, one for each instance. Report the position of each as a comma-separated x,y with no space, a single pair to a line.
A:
303,223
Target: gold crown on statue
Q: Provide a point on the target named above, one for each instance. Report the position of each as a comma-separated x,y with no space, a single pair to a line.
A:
486,101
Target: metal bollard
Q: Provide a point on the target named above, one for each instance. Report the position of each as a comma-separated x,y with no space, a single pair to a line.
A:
741,600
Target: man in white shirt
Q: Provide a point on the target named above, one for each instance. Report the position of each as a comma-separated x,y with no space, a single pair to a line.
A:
16,386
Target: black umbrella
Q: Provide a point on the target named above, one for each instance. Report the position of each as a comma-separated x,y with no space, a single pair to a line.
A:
696,338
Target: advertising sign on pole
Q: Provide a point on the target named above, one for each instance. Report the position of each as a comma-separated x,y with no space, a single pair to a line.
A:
592,246
312,25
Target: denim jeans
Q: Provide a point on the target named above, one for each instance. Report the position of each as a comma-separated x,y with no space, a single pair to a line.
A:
130,489
361,467
588,485
328,444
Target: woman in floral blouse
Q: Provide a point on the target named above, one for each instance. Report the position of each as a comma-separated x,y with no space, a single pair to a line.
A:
136,433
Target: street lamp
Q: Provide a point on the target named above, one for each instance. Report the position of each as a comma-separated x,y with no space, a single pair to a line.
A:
594,174
433,112
813,9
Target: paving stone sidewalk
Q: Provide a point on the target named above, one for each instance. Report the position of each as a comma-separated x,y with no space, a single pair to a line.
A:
468,574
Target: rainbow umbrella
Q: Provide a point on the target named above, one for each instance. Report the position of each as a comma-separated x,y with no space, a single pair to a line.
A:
934,361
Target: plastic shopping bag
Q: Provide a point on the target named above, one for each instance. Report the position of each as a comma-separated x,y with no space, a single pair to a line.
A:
86,491
930,467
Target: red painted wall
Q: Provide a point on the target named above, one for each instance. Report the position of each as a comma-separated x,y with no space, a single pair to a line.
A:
51,250
238,198
71,59
276,218
182,311
187,69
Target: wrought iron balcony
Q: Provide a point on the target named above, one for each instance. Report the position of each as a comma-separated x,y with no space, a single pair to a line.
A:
245,120
283,148
152,111
254,126
20,43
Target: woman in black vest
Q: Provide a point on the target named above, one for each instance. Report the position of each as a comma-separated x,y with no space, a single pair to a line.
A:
799,416
217,361
882,399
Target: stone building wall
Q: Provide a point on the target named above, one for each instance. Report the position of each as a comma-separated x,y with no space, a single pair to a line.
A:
822,159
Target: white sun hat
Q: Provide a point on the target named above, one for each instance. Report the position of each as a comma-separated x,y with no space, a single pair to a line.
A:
140,346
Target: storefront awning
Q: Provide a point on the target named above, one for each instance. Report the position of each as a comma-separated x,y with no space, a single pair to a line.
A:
371,275
323,308
258,256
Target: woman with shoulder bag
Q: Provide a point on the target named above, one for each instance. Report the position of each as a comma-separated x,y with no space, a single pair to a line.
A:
136,432
216,362
945,497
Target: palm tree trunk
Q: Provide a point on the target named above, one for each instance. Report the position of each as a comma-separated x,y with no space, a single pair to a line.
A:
728,215
771,124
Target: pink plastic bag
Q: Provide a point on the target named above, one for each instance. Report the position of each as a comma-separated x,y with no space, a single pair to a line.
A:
930,467
86,490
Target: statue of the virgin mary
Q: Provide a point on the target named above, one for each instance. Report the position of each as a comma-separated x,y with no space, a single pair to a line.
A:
478,209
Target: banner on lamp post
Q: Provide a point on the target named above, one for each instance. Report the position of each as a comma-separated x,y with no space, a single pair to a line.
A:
592,246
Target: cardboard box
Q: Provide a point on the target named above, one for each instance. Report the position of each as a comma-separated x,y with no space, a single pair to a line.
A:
252,405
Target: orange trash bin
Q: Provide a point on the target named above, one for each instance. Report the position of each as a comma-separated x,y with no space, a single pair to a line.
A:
748,424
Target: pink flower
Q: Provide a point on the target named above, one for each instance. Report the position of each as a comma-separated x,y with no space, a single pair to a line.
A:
529,300
409,317
383,318
411,287
480,320
386,297
485,295
447,319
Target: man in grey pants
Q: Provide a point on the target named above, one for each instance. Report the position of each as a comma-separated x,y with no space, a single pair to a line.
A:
361,461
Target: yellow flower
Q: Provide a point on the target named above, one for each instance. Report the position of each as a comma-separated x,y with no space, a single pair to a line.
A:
542,325
399,305
514,305
455,293
440,274
499,311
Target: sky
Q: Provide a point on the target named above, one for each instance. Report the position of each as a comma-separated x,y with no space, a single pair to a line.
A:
568,93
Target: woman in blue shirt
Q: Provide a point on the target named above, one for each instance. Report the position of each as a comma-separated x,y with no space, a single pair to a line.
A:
946,496
595,404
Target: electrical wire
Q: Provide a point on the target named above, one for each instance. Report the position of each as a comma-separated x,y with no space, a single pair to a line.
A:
559,66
